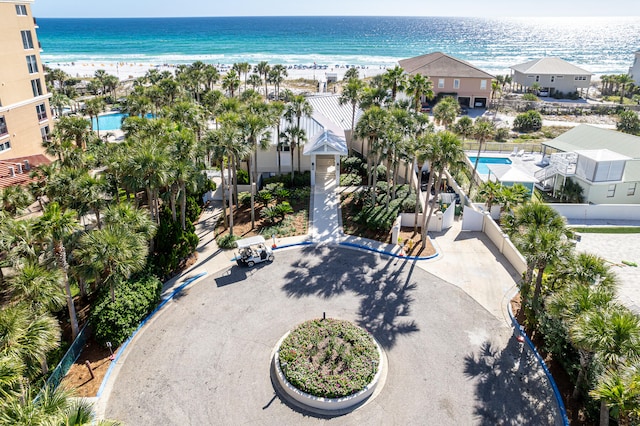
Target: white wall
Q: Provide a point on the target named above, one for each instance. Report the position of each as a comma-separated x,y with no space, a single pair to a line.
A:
598,211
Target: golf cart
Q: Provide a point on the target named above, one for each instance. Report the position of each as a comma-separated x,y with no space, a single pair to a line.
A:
253,250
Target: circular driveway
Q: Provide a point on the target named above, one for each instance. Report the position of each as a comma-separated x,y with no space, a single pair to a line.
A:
204,359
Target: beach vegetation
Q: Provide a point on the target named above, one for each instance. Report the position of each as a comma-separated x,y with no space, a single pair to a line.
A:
628,122
530,121
446,111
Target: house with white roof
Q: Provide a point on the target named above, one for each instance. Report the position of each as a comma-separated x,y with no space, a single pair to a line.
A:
605,163
552,74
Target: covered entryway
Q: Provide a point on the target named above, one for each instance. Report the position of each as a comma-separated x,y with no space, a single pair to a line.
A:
325,150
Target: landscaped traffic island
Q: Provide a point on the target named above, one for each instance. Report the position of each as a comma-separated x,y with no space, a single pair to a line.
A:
328,364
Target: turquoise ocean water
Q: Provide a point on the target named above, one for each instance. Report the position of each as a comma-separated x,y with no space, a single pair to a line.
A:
601,45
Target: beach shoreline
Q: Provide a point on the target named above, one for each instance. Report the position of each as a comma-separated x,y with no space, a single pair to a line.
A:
131,70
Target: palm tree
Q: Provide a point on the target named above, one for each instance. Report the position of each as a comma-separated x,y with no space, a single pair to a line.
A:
448,152
231,82
298,107
276,76
262,69
255,80
490,192
14,198
419,87
352,93
243,68
74,128
624,81
394,79
370,127
254,128
28,336
54,226
445,111
620,390
136,220
111,255
38,287
482,131
149,165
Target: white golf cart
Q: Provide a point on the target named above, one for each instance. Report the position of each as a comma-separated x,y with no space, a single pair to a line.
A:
253,250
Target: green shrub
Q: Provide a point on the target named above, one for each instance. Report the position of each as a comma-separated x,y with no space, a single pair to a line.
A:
300,193
193,209
243,177
276,213
530,97
264,196
227,241
172,244
244,198
529,121
353,165
135,299
501,134
351,179
299,179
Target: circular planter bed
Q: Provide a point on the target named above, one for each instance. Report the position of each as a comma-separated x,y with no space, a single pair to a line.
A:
328,364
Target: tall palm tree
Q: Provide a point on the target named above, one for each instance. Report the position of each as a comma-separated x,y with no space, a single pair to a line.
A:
54,226
37,287
231,82
620,390
149,165
448,152
255,80
254,128
370,127
624,81
352,93
74,128
482,131
276,76
394,79
262,69
298,107
243,68
419,87
445,111
15,198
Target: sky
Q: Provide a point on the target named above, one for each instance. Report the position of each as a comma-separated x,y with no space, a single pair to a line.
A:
480,8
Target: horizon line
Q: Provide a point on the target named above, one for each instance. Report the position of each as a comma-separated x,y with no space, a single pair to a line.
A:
339,16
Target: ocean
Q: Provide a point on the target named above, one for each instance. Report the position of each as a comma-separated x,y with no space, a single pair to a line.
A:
601,45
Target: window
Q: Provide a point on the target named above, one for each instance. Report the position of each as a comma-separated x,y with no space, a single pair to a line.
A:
5,146
440,83
44,132
41,110
21,9
611,192
483,84
456,84
3,126
36,86
32,64
631,191
27,40
580,78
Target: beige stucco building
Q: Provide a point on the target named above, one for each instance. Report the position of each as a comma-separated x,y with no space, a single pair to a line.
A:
452,76
25,114
552,75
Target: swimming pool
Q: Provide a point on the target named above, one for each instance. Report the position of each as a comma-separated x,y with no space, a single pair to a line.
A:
483,163
111,121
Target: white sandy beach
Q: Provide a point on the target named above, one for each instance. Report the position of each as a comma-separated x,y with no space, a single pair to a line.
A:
127,70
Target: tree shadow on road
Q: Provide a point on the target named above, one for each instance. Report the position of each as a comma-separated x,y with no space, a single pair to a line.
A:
511,387
385,285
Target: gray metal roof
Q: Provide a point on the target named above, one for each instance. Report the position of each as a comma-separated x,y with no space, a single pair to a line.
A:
586,137
329,106
550,65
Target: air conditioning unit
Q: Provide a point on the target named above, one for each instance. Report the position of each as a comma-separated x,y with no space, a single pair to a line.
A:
12,171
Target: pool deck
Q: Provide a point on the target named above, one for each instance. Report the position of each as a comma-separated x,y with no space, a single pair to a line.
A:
525,163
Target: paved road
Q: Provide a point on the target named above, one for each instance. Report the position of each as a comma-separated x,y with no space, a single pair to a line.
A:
205,358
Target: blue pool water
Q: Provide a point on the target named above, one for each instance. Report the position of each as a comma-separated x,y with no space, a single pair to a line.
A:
111,121
484,162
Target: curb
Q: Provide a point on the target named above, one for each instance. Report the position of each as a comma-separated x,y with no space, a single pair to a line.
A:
556,392
123,347
388,253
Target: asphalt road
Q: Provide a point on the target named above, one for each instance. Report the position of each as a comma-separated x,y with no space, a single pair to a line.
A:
204,359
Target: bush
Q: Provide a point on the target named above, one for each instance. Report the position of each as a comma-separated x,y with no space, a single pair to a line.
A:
276,213
351,179
501,134
353,165
530,97
529,121
243,177
227,241
299,180
264,196
244,198
172,244
193,209
135,299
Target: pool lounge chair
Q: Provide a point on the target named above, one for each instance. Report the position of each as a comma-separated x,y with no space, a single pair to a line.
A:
520,153
514,152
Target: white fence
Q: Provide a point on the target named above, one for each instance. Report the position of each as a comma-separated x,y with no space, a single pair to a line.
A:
584,212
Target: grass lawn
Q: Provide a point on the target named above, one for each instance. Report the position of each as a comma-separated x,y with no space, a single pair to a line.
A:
607,229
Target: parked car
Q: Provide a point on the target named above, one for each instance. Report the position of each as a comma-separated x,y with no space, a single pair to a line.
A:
253,250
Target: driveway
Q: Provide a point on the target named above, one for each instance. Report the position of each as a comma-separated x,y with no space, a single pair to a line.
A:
204,359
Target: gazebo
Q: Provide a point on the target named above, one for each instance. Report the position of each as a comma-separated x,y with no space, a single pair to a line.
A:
325,150
508,175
